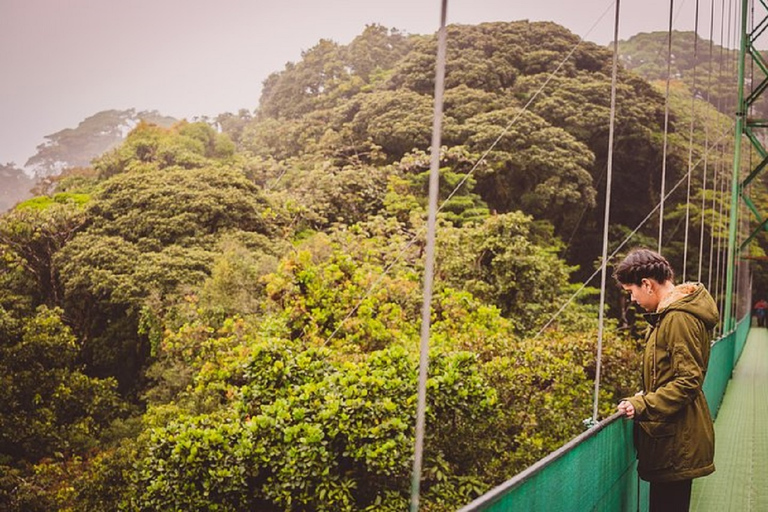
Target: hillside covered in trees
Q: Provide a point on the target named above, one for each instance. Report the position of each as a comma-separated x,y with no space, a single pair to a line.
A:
207,319
69,149
14,186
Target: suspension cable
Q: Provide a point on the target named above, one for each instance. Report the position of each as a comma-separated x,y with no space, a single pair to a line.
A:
718,280
747,217
715,177
609,174
429,270
666,123
690,139
714,269
706,141
731,261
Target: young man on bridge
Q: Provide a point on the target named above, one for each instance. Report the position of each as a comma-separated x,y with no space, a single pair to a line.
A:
674,434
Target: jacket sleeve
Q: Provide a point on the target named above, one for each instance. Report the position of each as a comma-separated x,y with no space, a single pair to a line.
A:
685,336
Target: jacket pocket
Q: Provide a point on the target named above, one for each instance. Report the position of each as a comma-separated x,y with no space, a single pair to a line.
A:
655,443
658,429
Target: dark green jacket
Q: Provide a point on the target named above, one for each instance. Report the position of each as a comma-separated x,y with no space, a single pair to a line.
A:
674,436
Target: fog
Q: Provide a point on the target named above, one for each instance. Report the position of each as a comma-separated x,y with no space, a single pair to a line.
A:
63,61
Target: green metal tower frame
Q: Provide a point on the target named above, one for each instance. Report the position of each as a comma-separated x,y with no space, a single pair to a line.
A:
745,127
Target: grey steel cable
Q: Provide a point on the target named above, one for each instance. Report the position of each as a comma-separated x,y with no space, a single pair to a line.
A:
429,270
609,174
706,142
715,269
666,124
718,284
690,139
712,228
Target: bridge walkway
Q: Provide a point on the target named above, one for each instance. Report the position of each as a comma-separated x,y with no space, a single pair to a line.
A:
739,483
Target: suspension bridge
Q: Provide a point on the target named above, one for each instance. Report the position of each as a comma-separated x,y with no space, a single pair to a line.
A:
597,470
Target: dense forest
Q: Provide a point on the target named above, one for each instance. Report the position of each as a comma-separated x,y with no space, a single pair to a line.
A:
225,315
68,149
706,68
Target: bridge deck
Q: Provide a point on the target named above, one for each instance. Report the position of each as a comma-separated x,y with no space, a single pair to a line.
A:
741,438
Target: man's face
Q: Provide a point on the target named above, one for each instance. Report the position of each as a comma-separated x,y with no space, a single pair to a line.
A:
643,295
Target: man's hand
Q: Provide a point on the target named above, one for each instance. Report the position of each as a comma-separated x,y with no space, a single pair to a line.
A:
627,408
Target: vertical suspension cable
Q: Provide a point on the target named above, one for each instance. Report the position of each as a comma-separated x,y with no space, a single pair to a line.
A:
724,259
609,174
742,214
724,223
706,142
748,263
731,265
702,209
718,275
724,299
712,227
690,140
721,64
666,124
716,293
715,256
729,43
426,309
744,264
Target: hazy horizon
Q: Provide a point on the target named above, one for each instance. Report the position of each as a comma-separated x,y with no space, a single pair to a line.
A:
65,61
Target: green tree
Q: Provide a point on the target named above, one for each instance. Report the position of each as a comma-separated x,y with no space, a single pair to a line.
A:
97,134
398,121
534,167
33,233
458,201
181,206
150,234
312,435
185,145
375,51
296,91
509,261
48,404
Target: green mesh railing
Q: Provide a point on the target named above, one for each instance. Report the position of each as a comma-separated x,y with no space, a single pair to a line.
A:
742,330
721,360
597,471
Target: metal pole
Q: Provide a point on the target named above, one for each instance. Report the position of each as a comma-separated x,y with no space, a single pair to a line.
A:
426,310
666,126
690,142
729,321
609,173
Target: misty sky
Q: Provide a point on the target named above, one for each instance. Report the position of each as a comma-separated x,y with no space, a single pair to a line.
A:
64,60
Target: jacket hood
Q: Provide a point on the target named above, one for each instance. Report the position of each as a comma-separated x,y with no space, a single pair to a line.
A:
692,298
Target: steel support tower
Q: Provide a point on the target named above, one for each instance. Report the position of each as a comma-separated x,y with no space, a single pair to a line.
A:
754,22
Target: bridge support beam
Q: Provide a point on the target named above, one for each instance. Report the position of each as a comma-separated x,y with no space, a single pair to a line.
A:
746,128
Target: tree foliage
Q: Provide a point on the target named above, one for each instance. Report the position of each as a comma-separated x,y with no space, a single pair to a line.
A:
224,315
48,404
97,134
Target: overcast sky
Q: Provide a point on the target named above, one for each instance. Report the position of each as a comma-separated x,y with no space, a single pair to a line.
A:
64,60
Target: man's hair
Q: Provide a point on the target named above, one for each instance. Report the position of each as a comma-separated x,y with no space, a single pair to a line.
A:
642,264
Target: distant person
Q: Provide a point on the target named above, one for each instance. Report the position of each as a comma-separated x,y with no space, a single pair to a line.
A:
761,310
674,435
